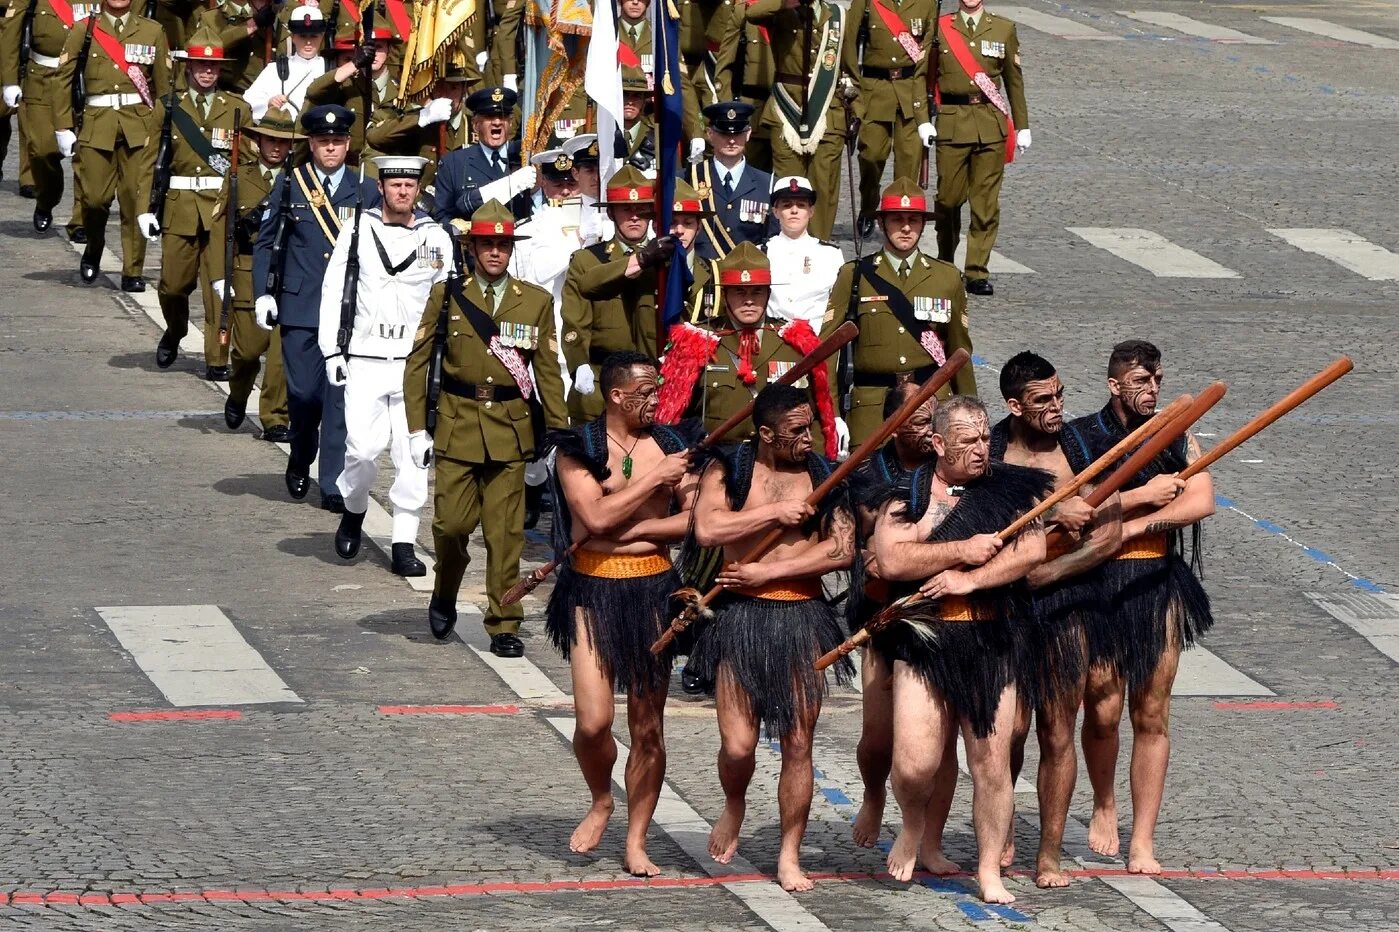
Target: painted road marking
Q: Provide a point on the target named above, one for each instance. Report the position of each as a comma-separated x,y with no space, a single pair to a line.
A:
1375,617
998,265
1194,27
1320,556
176,715
1320,27
449,710
1153,252
194,655
1275,706
1057,26
1346,249
1202,673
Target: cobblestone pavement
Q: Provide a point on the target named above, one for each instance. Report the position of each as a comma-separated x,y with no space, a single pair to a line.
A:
123,488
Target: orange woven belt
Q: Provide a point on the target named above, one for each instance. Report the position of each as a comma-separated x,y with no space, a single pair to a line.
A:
785,591
1152,547
955,608
619,565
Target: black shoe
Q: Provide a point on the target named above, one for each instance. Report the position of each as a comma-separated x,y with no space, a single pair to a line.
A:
87,267
442,618
692,683
27,191
406,562
43,219
333,503
133,284
166,350
234,412
507,645
348,535
279,433
981,286
866,225
78,236
216,373
298,484
533,495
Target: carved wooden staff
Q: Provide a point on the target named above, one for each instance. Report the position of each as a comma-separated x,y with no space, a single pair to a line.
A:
941,377
828,347
1155,435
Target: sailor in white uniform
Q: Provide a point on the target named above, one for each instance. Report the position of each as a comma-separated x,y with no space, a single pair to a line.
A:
804,268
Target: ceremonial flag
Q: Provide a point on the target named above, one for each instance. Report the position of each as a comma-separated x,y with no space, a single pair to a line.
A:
670,302
438,28
604,85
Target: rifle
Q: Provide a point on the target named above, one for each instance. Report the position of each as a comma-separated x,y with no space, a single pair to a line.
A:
808,14
331,22
277,270
696,604
164,159
848,92
349,295
439,338
230,236
845,376
79,91
931,82
840,338
149,11
26,39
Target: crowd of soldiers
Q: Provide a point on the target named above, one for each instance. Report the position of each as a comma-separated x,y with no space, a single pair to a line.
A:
406,282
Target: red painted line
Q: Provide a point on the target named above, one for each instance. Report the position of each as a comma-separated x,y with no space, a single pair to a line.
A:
1268,706
449,710
176,715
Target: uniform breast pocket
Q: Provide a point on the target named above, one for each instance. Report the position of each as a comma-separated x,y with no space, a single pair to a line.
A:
875,321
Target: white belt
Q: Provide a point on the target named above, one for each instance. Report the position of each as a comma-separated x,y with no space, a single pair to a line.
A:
114,100
191,183
36,59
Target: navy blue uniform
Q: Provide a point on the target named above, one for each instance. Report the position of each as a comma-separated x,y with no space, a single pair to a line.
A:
744,212
462,173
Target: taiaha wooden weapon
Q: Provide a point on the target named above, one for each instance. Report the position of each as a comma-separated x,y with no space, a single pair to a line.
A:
694,606
828,347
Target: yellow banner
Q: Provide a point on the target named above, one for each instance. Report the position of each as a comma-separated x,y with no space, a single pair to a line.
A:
439,32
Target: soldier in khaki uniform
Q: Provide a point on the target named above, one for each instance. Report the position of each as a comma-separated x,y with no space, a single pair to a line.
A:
181,213
344,85
744,70
247,32
501,64
273,136
910,307
609,293
430,131
636,141
699,89
886,44
500,346
973,135
120,128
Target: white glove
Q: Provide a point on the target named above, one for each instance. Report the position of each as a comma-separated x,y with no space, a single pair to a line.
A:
149,227
67,139
511,81
437,110
583,380
12,95
1022,141
503,189
219,287
481,59
265,312
928,133
420,448
335,371
696,151
842,438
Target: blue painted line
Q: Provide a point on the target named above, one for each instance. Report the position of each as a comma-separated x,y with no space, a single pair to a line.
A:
1366,585
975,911
1318,555
1327,89
1268,526
835,796
1005,912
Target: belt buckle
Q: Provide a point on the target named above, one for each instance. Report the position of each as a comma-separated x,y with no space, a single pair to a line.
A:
485,393
976,98
902,378
895,74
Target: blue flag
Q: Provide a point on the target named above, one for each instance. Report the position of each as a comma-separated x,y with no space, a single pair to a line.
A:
670,110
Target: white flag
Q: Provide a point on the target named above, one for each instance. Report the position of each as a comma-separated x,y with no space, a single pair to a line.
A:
603,83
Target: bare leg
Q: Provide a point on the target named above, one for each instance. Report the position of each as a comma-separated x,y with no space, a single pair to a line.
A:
1019,734
993,796
936,812
1151,753
1055,786
794,788
920,726
738,739
1102,711
593,743
645,774
875,753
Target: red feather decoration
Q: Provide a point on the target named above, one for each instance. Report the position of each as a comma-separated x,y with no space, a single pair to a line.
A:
688,352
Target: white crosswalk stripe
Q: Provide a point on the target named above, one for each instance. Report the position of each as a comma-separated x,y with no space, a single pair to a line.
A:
1345,248
1194,27
1202,673
1153,252
1320,27
1058,26
1373,617
999,264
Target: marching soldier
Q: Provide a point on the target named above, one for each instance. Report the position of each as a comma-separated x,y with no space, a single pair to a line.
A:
636,138
910,307
284,82
247,32
345,84
185,198
273,136
490,169
699,89
982,123
499,57
303,218
126,67
744,70
430,131
885,45
609,297
500,389
736,191
804,268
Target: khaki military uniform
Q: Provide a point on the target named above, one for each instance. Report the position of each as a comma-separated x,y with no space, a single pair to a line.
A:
699,88
7,115
395,131
604,312
893,97
886,351
481,445
176,17
247,52
972,138
40,164
247,342
117,146
702,299
501,43
744,70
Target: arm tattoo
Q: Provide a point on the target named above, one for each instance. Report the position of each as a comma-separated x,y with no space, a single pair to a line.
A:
842,535
1162,527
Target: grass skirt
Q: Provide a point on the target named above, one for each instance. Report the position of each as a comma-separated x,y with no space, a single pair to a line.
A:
622,619
971,662
1140,597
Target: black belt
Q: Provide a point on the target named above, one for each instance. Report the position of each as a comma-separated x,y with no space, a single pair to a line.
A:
888,74
756,91
597,356
453,386
956,99
890,379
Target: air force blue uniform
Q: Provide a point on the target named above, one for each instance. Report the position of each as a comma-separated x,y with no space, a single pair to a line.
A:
463,172
743,212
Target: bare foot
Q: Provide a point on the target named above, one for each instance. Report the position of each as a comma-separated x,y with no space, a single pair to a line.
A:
792,878
1142,860
993,890
1048,873
723,840
868,822
904,855
1102,831
638,864
589,832
1008,855
935,862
